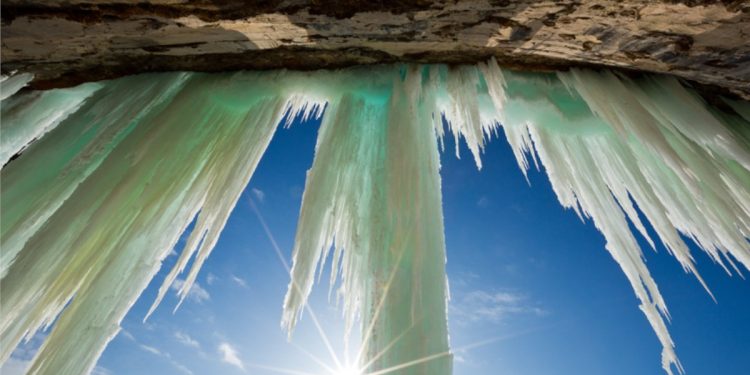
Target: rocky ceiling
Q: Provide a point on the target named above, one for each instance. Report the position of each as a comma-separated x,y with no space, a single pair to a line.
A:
67,42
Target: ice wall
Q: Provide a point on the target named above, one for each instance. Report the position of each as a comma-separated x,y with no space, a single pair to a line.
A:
116,171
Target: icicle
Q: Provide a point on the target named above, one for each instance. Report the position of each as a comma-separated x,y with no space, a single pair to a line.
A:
373,194
11,83
651,143
131,169
28,117
34,187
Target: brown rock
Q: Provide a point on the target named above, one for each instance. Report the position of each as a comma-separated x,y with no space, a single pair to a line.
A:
72,41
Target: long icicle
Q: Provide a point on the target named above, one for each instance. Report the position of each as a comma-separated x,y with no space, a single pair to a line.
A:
373,194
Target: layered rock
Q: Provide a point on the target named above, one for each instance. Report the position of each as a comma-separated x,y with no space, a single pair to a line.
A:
68,42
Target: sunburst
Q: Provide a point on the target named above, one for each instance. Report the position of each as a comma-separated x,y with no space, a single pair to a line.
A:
345,366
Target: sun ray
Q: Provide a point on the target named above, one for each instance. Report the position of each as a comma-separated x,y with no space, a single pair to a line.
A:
410,363
280,370
381,303
315,358
464,348
387,347
498,338
309,309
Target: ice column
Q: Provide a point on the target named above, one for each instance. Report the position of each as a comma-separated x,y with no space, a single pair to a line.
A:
373,197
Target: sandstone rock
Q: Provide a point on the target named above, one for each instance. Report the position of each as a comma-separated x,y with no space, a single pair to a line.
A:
68,42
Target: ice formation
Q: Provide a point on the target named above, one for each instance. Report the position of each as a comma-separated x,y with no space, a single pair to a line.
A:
28,117
379,210
91,209
111,174
10,84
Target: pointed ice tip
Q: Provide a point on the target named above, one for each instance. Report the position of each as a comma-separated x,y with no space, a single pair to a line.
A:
148,314
526,177
179,303
288,324
703,283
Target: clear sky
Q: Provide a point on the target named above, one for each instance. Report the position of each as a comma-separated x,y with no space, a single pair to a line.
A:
532,289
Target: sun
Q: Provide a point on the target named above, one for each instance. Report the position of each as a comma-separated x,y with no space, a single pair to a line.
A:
348,370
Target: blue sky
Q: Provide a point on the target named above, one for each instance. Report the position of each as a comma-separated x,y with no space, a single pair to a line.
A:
533,290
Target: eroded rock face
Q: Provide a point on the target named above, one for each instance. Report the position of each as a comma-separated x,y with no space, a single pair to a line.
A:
68,42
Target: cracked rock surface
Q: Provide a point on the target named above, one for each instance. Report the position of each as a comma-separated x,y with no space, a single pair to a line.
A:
68,42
